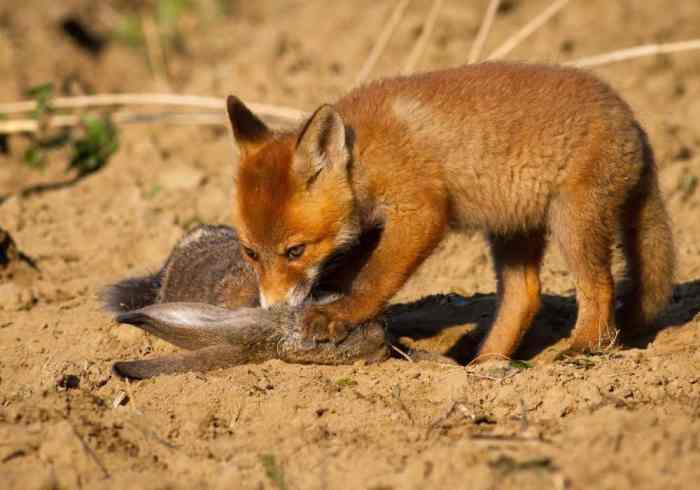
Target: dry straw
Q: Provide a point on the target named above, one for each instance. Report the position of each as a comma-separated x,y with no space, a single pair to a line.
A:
480,40
516,39
422,41
287,115
382,41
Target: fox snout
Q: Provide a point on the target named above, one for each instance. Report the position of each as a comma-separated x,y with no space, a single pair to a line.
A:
280,293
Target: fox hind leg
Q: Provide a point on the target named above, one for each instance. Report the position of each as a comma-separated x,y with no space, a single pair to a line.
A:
583,226
517,260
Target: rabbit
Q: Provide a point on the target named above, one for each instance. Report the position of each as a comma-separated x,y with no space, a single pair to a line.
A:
205,299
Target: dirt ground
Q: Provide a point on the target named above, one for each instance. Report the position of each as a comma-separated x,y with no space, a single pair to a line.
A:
626,419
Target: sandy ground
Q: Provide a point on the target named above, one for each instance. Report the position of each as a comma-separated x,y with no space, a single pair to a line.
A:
626,419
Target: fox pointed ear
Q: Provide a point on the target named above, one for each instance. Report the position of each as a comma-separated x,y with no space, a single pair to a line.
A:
322,144
248,130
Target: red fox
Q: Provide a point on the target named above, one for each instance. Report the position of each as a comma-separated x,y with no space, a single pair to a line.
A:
523,152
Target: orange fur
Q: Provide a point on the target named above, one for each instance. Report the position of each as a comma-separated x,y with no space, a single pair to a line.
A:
517,150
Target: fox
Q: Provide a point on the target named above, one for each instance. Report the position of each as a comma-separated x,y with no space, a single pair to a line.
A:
526,153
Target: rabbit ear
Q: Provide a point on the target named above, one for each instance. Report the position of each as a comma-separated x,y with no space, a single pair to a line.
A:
214,357
197,325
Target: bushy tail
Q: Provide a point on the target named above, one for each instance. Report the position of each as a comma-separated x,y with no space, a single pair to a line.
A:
131,294
649,251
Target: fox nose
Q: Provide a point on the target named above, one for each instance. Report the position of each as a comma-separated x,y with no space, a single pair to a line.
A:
263,300
268,300
294,297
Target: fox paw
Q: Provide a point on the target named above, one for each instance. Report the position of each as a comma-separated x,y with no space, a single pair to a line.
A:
319,326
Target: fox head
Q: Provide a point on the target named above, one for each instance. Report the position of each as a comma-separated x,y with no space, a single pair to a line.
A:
293,203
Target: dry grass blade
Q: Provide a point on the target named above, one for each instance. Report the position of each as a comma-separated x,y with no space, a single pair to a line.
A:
513,41
422,42
382,41
108,100
636,52
440,420
401,353
480,40
119,117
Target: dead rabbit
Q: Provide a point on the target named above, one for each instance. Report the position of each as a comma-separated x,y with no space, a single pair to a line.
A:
205,299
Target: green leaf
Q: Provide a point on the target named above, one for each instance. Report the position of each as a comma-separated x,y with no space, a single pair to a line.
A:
42,95
516,364
34,157
99,142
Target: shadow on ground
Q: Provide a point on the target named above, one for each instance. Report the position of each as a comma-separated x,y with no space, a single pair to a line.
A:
454,325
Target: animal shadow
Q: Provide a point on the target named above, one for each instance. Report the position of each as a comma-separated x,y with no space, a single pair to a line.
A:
455,325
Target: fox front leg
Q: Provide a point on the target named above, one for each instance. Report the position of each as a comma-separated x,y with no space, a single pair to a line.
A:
395,258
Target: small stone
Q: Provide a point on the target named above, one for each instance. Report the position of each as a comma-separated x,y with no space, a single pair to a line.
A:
68,381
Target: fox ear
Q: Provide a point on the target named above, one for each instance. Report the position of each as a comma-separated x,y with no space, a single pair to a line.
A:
248,130
322,144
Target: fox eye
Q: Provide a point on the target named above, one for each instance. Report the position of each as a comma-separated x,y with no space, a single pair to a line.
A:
295,252
250,253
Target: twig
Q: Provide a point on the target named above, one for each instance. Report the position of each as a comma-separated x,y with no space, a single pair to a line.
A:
513,41
396,392
143,427
636,52
382,41
238,415
107,100
506,438
491,378
480,40
402,353
422,42
90,452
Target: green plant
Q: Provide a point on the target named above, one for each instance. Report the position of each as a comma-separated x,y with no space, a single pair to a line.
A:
343,382
165,14
506,464
273,471
153,191
516,364
128,30
92,142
